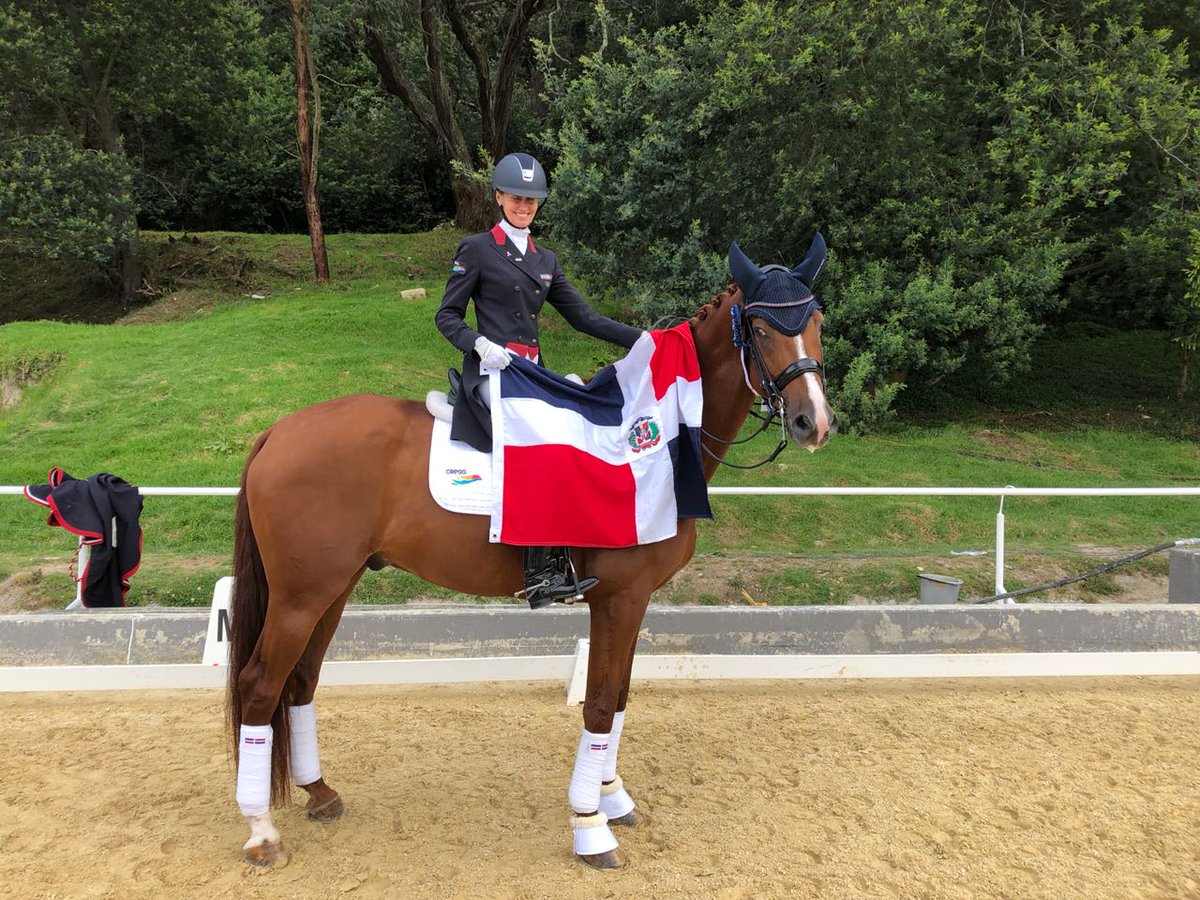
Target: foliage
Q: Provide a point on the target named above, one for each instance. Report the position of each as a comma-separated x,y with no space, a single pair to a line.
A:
974,167
91,75
198,99
863,408
59,200
1187,314
377,174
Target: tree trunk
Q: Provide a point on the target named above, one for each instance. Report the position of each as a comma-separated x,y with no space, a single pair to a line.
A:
129,252
474,207
1181,389
107,137
308,135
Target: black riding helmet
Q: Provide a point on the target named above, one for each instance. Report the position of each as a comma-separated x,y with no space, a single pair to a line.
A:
521,175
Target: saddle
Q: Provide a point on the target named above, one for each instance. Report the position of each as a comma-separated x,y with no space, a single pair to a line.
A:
550,575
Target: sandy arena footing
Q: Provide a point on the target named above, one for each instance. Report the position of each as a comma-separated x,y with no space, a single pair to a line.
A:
996,788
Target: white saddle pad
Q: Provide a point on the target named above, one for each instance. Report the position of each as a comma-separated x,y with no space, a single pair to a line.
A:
460,477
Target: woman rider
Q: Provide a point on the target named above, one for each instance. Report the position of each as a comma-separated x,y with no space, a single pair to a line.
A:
510,279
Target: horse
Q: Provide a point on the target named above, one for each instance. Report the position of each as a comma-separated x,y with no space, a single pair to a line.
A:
337,488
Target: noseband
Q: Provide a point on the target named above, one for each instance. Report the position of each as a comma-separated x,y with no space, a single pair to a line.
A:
770,386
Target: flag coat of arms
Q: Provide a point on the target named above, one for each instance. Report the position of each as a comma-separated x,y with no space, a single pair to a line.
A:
612,463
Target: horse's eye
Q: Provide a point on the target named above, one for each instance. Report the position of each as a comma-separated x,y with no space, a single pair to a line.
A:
761,332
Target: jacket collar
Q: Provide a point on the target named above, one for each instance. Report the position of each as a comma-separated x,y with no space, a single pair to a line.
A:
500,237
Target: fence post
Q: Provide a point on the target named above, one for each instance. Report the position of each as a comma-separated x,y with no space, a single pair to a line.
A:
82,555
1000,548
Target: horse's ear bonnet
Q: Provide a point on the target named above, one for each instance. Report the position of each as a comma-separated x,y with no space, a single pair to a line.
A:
782,297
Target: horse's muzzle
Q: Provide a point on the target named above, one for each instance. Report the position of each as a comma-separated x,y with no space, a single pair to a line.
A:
813,432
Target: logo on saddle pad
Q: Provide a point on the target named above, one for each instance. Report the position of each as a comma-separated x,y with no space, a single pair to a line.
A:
644,434
461,476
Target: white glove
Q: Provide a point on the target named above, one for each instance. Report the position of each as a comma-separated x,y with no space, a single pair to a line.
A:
491,355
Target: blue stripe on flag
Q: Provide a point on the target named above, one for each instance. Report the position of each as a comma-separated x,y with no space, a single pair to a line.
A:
691,490
599,401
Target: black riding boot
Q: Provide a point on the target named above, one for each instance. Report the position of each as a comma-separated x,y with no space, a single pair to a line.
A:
550,577
455,384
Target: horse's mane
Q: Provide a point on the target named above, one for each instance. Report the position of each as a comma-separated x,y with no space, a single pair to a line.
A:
715,304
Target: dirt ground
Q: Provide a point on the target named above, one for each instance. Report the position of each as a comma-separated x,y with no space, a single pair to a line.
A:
913,789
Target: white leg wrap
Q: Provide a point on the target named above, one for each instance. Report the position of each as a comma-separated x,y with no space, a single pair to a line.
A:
615,800
584,793
254,770
302,723
592,834
262,831
614,742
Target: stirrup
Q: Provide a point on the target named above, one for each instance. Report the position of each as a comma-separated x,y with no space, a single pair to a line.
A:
556,589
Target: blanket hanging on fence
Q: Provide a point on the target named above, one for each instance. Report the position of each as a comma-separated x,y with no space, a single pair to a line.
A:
103,511
611,463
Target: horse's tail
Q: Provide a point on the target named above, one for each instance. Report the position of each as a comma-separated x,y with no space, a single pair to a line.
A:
247,614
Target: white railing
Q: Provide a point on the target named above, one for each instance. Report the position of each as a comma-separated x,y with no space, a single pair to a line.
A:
1001,492
1006,491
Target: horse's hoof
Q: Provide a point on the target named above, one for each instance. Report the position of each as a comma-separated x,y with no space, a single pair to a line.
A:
610,859
327,812
628,820
266,855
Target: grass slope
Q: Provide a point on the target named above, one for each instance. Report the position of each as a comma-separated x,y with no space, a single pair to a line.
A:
175,393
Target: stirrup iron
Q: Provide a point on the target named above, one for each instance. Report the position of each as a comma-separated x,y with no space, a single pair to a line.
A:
552,578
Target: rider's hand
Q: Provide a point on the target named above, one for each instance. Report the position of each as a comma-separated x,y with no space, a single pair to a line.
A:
491,355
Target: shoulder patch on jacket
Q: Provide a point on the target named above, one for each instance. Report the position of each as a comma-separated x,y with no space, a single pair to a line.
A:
458,268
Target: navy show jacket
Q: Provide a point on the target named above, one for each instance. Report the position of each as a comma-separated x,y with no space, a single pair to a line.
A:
509,289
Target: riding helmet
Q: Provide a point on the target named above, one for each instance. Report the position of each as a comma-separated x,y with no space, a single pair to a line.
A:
521,175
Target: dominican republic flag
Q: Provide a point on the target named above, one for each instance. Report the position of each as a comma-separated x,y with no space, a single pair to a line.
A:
612,463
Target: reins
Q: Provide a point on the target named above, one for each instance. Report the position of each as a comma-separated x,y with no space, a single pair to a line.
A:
766,421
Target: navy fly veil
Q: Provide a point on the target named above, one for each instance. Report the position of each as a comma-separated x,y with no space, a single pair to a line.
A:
781,296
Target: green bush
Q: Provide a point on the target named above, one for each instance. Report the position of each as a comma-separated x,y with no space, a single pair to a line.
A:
973,167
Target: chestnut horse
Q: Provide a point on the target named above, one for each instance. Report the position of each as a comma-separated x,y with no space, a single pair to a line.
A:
339,487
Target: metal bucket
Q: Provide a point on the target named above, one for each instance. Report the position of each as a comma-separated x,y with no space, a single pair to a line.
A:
939,588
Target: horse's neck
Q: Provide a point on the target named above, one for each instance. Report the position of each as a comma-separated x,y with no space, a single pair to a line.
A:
727,399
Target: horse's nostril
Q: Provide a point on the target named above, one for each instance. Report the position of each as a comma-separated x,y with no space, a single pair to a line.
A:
803,423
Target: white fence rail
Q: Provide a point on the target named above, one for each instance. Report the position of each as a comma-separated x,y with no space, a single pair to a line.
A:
1001,492
1006,491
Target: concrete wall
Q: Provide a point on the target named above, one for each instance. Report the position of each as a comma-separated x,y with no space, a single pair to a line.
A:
175,636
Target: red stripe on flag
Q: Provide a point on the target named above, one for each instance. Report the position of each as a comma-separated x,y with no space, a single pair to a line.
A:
674,357
558,494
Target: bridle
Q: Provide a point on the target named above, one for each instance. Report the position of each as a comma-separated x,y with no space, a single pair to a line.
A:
770,387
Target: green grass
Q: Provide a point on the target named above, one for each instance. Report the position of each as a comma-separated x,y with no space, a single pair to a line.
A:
175,394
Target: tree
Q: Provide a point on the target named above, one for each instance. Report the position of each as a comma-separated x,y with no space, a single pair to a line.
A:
93,74
308,133
966,162
423,49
